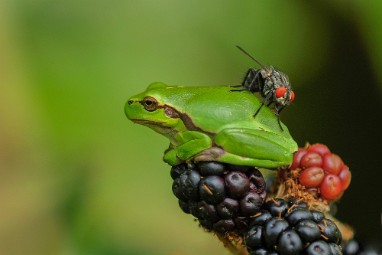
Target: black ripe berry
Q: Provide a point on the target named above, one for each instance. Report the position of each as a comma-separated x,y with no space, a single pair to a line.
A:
211,189
330,231
260,218
207,211
335,248
308,230
273,229
228,208
257,181
178,190
318,248
289,227
176,171
250,203
184,206
189,181
289,243
317,216
222,197
254,237
299,214
237,184
185,187
211,168
277,207
223,226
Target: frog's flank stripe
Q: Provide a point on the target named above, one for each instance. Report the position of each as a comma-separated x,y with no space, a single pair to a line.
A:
174,113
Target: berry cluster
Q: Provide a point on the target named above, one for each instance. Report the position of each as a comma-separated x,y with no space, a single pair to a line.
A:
231,200
289,227
322,170
222,197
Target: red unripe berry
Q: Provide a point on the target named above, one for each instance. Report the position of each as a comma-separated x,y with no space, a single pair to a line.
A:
345,177
292,96
311,159
319,148
312,177
297,158
332,163
280,92
331,187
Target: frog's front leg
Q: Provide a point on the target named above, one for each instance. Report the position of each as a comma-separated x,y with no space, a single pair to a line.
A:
189,143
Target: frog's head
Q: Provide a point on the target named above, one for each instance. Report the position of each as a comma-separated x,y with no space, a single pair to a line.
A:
151,109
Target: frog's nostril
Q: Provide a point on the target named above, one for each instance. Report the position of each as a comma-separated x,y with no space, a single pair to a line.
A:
130,102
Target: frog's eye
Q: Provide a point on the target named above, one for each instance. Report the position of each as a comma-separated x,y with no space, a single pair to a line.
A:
150,103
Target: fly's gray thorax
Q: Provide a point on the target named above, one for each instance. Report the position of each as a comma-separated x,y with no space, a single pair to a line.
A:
273,79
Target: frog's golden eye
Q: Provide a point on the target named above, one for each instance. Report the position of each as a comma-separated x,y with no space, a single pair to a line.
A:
150,103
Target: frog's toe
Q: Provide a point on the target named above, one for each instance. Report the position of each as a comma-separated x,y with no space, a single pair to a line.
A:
211,154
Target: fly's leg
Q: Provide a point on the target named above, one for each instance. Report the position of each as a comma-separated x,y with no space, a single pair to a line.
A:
249,72
237,90
278,110
262,104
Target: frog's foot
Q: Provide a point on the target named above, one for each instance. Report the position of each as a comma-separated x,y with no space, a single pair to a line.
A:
211,154
171,158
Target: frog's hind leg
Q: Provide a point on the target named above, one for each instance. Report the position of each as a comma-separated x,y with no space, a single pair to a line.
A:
245,161
255,147
220,155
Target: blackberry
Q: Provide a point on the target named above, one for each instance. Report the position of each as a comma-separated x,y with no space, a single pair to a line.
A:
289,227
222,197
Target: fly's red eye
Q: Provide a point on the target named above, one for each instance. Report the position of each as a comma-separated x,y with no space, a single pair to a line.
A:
292,96
280,92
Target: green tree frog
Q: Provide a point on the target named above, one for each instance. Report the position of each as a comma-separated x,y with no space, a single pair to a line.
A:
212,124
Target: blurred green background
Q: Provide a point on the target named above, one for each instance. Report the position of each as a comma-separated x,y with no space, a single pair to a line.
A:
76,177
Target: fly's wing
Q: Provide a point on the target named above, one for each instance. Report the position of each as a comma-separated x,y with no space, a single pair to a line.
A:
252,81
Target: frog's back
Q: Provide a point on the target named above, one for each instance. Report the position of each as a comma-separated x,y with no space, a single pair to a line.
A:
213,107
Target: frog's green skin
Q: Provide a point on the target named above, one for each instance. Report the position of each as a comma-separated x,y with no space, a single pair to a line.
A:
213,124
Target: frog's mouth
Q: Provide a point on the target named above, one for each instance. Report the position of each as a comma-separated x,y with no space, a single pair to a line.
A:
159,127
150,123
